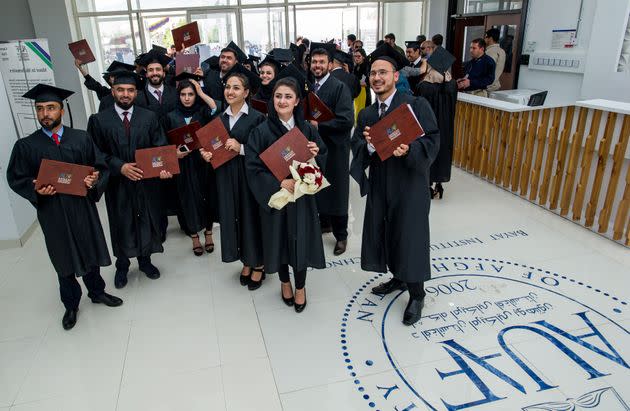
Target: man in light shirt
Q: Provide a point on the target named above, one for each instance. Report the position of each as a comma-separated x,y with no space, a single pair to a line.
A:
494,50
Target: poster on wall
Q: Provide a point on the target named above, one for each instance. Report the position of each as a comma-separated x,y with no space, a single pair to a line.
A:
23,64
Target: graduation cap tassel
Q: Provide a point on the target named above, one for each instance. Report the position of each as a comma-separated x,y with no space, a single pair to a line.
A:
70,114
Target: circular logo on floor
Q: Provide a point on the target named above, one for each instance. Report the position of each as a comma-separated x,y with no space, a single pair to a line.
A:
494,335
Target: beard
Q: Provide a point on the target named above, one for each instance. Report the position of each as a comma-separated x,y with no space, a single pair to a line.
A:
52,126
124,106
156,81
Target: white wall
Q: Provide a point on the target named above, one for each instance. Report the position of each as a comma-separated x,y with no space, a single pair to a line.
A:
16,22
600,35
437,18
402,19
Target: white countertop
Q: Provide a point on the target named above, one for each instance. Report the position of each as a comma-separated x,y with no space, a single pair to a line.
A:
605,105
499,104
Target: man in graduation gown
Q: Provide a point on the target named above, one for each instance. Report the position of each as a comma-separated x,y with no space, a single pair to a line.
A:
332,203
134,205
157,96
71,226
341,61
415,60
396,224
213,78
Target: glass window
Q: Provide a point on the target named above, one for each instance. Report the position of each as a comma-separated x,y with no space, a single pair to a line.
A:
161,4
485,6
402,19
309,23
368,23
101,5
250,2
157,28
263,30
216,30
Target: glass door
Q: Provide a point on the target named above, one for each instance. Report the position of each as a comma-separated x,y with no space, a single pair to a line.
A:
216,29
157,28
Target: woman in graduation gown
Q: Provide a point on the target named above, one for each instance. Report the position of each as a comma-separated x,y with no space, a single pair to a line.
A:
197,205
238,212
268,70
360,70
292,235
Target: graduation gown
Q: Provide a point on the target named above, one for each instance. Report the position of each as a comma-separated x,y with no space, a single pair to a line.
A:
212,85
135,208
106,102
71,226
336,135
239,217
292,235
396,223
100,90
350,80
414,81
442,98
149,100
195,191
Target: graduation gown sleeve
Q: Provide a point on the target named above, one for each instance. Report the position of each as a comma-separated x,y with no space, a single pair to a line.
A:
91,84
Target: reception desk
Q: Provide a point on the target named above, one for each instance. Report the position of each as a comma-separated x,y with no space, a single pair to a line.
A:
572,160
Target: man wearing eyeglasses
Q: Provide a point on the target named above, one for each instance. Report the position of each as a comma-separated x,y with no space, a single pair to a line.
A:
396,220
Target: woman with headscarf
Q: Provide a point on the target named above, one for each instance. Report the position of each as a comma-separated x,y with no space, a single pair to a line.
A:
268,70
361,72
291,235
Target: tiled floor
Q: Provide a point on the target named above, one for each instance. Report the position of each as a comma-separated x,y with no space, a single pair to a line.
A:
196,340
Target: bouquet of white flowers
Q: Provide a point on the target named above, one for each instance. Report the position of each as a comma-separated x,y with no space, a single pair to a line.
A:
308,180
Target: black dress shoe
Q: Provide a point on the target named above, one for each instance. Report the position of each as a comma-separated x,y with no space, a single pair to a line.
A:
107,299
69,319
120,279
389,287
150,270
413,312
340,247
255,285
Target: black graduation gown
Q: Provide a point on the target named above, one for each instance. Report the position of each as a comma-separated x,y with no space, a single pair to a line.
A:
442,98
239,217
106,102
212,85
134,208
292,235
100,90
415,80
71,226
149,100
396,223
196,195
350,80
336,135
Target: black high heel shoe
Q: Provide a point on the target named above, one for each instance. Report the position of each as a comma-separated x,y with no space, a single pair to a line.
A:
299,307
288,301
209,244
244,279
254,285
198,251
439,190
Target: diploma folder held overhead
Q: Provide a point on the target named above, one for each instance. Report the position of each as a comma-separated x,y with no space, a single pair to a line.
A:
212,138
153,160
398,127
188,63
188,35
315,109
66,178
281,154
81,51
185,136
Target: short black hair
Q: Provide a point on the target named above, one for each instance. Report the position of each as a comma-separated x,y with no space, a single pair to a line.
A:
352,37
390,36
306,42
321,52
421,38
380,43
438,40
479,42
494,34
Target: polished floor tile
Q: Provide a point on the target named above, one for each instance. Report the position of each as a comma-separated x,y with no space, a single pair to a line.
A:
525,311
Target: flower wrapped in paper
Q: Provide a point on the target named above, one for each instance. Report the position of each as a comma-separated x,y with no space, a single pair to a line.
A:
309,179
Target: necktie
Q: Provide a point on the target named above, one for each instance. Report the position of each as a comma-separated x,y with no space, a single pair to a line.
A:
126,123
316,87
55,137
383,108
158,93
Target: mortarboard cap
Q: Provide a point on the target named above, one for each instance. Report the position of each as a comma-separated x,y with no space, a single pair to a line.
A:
254,80
413,44
441,60
126,77
212,62
42,93
293,72
270,60
240,54
184,75
154,56
342,57
281,55
389,54
117,65
329,47
159,49
254,58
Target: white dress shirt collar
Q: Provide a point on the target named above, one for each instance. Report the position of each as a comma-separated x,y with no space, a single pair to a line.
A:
120,112
289,124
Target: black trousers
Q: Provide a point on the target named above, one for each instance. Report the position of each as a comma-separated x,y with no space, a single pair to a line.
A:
300,276
70,289
339,224
123,263
416,290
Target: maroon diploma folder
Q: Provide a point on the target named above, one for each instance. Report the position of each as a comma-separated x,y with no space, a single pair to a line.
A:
315,109
212,138
186,63
153,160
259,105
67,178
398,127
188,35
185,136
280,155
81,51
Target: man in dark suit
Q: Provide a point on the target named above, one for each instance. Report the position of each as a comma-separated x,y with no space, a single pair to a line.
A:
340,70
157,96
213,77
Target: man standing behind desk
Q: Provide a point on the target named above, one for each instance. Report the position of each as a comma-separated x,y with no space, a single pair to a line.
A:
332,203
494,50
479,71
134,205
71,226
396,222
